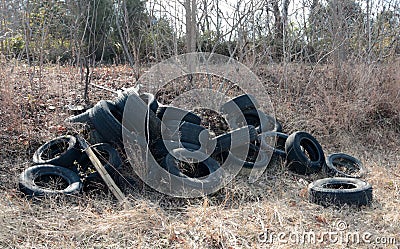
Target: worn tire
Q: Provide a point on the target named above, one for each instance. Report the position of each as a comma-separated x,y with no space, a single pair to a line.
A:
159,150
186,132
80,118
257,118
205,178
29,186
150,100
108,156
225,142
120,101
239,103
209,165
253,163
353,165
174,113
62,151
297,160
135,110
261,121
339,191
106,119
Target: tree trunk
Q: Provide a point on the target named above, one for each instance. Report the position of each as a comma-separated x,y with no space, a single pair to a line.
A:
369,30
313,13
284,29
194,27
278,36
191,30
123,41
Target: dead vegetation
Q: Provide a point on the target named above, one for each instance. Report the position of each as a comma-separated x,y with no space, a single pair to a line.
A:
353,109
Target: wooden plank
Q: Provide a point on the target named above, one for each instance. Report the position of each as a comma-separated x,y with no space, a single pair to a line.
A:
102,171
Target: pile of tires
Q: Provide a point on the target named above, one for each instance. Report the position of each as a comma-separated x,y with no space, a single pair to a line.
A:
60,166
173,133
303,155
248,124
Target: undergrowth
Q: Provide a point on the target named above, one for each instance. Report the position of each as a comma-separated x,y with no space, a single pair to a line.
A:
351,108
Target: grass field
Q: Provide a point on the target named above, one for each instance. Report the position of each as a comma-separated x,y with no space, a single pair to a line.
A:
353,109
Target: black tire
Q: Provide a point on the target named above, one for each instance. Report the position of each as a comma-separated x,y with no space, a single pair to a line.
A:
296,158
256,158
151,102
81,118
279,148
107,119
140,120
343,165
202,170
339,191
278,126
159,150
240,103
28,180
186,132
175,113
261,121
205,176
120,101
108,156
225,142
62,151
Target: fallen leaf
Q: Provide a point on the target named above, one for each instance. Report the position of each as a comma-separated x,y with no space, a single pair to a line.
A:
303,193
321,219
61,129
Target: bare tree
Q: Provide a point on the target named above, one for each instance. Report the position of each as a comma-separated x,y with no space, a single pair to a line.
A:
191,25
122,37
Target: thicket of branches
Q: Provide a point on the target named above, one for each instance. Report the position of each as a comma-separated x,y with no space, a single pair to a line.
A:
254,31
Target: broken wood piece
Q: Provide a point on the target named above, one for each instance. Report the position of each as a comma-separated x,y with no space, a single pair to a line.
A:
102,170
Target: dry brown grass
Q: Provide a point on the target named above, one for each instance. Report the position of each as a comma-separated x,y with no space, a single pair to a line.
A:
353,109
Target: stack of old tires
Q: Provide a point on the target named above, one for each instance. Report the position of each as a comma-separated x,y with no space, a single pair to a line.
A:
61,167
181,130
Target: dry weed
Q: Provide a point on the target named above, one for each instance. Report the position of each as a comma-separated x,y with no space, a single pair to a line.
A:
352,108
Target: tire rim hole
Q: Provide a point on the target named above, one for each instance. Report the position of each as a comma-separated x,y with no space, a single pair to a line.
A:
252,155
53,182
193,170
346,166
212,120
221,157
253,120
116,115
55,150
280,143
309,150
340,186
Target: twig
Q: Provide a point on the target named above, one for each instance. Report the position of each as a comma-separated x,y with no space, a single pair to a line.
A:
104,88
